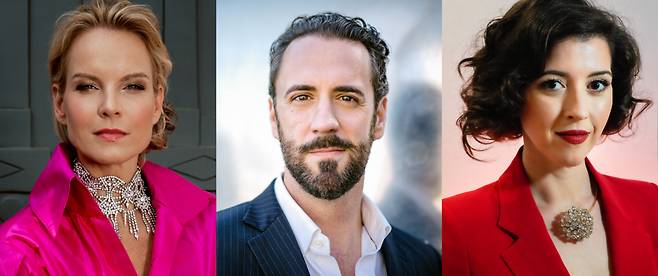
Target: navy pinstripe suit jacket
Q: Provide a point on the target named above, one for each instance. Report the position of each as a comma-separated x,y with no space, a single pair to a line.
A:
255,238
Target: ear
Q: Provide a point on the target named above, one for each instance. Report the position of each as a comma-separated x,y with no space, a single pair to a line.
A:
380,116
273,121
159,102
57,95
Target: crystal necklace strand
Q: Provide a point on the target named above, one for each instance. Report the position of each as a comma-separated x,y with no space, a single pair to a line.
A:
114,197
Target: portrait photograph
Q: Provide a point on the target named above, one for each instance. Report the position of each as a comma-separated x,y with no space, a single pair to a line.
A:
306,139
549,143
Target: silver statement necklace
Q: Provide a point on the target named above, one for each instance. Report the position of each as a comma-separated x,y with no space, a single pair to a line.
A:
114,197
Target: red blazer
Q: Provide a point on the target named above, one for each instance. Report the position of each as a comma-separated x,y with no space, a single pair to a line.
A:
498,229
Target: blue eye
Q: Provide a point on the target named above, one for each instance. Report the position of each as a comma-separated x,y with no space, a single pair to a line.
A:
598,85
135,87
552,85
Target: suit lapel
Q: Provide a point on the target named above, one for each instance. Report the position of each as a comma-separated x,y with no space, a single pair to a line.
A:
532,252
630,247
395,260
275,248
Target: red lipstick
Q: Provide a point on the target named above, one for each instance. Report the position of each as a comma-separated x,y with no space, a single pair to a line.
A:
574,136
110,134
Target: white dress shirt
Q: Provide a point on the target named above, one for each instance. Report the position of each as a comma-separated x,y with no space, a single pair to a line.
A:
315,246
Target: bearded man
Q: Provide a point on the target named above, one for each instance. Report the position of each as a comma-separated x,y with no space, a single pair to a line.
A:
328,100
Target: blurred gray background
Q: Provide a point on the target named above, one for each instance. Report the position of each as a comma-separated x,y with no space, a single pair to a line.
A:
404,171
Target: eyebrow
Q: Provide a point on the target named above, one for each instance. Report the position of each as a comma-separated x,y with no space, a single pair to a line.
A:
350,89
564,74
96,79
134,76
342,88
83,75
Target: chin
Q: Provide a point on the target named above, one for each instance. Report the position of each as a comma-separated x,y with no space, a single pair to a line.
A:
108,155
572,160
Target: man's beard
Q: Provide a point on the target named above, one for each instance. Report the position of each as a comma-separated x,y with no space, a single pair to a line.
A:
330,183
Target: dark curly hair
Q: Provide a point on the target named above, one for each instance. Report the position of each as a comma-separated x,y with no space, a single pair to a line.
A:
335,25
514,54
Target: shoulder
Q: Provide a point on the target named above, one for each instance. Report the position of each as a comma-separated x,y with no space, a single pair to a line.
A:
20,239
470,210
638,195
466,219
234,256
169,186
421,254
411,244
21,228
232,215
631,188
477,203
231,228
638,198
193,206
10,259
259,212
159,174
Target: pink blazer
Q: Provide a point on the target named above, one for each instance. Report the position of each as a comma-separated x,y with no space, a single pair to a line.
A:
63,232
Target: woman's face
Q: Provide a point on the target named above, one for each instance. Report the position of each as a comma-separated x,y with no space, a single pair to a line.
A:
568,106
109,104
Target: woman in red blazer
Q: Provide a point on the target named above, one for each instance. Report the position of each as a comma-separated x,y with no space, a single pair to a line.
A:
558,74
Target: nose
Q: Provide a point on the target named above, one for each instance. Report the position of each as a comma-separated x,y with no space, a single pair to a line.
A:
110,105
324,118
575,104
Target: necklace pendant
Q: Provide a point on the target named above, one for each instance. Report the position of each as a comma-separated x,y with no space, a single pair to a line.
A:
116,197
576,224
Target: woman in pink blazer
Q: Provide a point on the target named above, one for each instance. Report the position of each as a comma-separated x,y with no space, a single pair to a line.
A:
98,208
558,74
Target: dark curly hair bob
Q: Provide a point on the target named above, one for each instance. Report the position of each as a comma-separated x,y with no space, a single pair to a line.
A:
516,47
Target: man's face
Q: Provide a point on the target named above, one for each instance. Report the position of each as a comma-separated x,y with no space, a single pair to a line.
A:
325,115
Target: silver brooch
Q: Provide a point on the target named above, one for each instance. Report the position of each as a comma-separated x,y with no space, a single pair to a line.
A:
116,197
576,224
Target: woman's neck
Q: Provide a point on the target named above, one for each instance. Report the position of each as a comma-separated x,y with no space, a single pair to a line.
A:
123,170
555,185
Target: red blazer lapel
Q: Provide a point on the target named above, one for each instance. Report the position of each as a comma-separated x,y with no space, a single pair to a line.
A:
532,252
630,246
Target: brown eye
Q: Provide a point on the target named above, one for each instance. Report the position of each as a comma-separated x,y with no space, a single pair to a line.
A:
347,98
552,85
301,98
598,85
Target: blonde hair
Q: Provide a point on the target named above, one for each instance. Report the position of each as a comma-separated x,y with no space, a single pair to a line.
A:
119,15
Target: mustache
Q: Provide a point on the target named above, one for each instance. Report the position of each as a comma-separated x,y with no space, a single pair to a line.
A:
331,141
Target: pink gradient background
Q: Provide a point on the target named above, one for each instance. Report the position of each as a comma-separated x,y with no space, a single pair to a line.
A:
635,157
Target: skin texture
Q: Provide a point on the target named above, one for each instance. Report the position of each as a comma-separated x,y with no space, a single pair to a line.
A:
321,68
575,93
109,85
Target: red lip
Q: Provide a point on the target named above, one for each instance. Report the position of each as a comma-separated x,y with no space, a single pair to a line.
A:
573,136
110,134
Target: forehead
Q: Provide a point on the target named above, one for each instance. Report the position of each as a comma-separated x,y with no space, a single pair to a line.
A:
576,53
108,51
315,58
